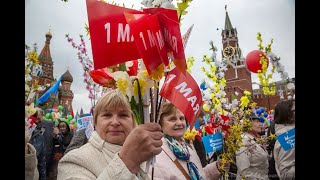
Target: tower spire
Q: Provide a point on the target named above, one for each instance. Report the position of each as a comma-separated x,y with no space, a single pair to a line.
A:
45,54
228,24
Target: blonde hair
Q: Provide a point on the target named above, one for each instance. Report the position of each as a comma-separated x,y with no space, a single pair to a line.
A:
39,113
167,109
112,100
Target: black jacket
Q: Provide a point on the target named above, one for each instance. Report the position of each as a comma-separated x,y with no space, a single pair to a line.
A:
38,141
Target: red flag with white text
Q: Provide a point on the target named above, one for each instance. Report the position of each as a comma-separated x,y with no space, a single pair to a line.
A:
111,39
170,27
148,38
183,91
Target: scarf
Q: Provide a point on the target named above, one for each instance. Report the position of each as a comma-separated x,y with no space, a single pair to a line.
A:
181,151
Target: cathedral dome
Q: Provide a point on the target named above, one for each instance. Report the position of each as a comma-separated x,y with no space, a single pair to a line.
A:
67,77
48,34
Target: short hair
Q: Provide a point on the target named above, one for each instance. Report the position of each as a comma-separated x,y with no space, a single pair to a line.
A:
283,113
39,113
110,101
167,109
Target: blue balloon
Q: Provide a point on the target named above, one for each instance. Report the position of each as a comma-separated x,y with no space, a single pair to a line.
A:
261,119
258,112
203,86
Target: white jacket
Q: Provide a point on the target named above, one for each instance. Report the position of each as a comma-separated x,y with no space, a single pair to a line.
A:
165,168
252,159
97,159
284,160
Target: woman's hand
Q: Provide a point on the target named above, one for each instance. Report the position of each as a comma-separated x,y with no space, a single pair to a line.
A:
141,144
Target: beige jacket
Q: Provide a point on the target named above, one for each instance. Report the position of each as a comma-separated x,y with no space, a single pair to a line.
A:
166,169
252,159
31,162
97,159
284,160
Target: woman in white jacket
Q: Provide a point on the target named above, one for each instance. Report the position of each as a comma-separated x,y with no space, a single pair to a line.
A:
284,117
252,158
116,149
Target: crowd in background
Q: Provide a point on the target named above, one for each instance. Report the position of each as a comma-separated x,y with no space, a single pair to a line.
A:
120,149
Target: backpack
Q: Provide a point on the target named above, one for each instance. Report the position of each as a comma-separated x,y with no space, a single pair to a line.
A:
272,169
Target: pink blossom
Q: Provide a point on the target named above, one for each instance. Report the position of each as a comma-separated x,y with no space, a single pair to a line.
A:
69,39
83,50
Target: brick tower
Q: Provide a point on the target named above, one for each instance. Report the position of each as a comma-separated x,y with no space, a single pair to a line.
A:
65,94
237,76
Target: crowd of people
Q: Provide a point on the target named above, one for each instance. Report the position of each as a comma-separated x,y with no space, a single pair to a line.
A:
118,148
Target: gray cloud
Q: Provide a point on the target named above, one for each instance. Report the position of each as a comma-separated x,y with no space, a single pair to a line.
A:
273,18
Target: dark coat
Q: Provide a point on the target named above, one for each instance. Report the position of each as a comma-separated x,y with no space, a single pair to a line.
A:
38,141
48,137
79,139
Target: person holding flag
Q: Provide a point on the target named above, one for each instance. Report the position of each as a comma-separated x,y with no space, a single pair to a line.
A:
118,148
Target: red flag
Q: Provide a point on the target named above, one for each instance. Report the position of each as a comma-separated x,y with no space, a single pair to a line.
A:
133,70
170,27
148,38
183,91
111,40
170,13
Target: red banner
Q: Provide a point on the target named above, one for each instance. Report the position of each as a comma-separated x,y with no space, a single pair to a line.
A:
113,42
183,91
148,38
170,27
111,39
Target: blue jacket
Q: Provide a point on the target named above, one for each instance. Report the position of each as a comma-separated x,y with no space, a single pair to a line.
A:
38,141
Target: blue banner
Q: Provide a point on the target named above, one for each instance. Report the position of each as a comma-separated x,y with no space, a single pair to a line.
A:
53,90
197,124
213,142
86,123
287,139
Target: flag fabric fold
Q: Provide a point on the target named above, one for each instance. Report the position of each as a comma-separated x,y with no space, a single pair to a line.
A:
52,90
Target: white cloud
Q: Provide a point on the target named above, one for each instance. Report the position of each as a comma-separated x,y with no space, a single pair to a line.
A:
273,18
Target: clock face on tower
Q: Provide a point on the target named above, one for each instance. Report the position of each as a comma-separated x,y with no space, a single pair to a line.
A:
228,51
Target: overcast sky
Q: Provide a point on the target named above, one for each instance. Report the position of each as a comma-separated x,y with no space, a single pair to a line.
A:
273,18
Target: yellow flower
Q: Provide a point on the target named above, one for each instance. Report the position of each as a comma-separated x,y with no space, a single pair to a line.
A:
213,68
247,93
30,110
244,101
272,136
190,135
33,57
190,62
158,73
123,83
